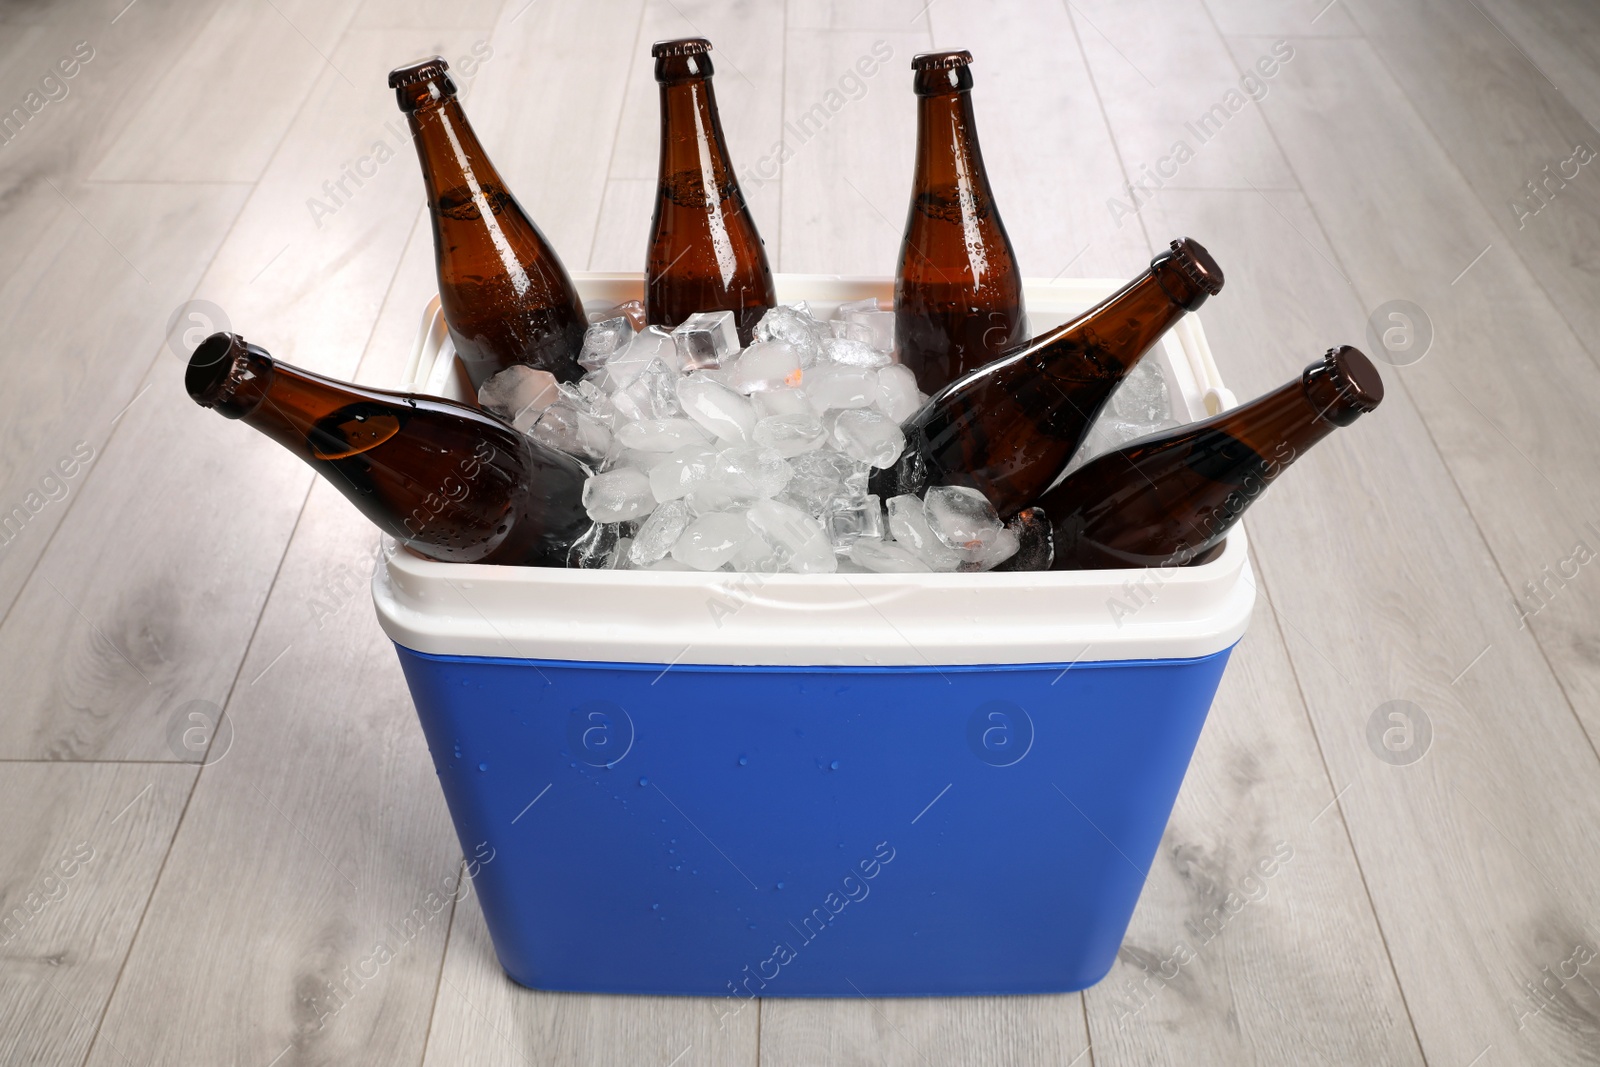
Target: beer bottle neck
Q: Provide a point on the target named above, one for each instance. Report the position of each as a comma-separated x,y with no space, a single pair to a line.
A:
281,401
948,156
1279,426
691,133
452,157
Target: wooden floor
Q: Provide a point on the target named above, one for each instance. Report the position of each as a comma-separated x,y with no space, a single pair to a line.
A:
1441,910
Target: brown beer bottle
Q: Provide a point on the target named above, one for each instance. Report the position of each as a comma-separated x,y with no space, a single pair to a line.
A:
451,482
958,292
705,253
506,297
1009,428
1170,498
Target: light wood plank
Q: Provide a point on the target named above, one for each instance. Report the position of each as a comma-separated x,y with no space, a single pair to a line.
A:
78,872
93,320
1509,392
1157,86
1387,592
893,15
218,114
131,57
848,179
1562,39
1516,127
133,625
624,229
1275,18
317,837
482,1018
1293,969
979,1031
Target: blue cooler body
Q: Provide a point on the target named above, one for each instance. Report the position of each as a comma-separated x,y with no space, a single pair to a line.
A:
741,785
809,832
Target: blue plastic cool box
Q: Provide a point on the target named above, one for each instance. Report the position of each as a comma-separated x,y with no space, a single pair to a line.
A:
813,785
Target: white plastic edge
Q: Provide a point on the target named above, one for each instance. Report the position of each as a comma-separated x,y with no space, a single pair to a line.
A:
843,620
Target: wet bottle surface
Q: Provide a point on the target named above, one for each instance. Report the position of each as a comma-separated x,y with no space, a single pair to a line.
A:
1008,429
447,480
958,292
705,253
505,295
1170,499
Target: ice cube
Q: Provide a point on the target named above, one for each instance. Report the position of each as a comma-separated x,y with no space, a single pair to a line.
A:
716,407
790,435
711,540
762,472
795,327
716,495
910,528
962,518
898,395
603,340
868,436
757,555
662,435
590,399
706,339
887,557
615,495
833,385
1142,395
992,553
797,536
879,326
845,330
782,402
680,472
518,389
850,353
634,311
766,365
598,548
659,532
819,480
626,365
1035,541
629,457
658,389
848,524
667,564
851,307
572,431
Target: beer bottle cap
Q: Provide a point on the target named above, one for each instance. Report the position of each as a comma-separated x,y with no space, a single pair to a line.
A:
682,46
421,71
419,83
1197,265
941,72
1343,385
1187,273
1355,376
229,374
682,58
941,60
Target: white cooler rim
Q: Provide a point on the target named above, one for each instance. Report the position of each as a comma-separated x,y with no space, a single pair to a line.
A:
834,620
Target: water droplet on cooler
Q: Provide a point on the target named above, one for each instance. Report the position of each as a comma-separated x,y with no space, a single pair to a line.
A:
744,761
656,906
780,885
833,766
483,766
643,780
